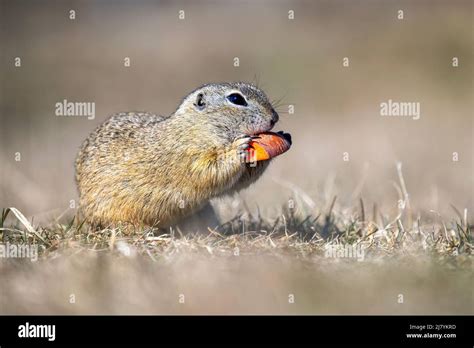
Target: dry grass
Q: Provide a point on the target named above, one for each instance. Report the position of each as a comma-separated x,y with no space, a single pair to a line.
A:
289,233
248,265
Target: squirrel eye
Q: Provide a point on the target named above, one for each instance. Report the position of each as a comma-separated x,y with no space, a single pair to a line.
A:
237,99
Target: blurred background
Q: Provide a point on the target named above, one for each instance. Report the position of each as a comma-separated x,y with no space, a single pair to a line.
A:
336,108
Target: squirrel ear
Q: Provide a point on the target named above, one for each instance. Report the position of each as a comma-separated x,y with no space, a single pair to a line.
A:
200,104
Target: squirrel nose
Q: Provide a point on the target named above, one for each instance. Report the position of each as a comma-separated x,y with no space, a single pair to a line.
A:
275,118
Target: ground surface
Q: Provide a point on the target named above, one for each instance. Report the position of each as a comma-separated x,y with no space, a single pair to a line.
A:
331,264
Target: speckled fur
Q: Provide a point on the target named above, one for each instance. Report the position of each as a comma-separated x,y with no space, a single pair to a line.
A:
141,168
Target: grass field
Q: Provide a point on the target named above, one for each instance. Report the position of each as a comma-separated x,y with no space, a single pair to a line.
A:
331,262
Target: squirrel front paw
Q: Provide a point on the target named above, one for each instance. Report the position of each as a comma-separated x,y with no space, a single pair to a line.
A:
244,148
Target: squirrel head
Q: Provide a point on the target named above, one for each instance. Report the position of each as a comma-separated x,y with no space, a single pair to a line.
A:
231,110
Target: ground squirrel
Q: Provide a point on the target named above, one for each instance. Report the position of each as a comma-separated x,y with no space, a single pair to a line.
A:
145,169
